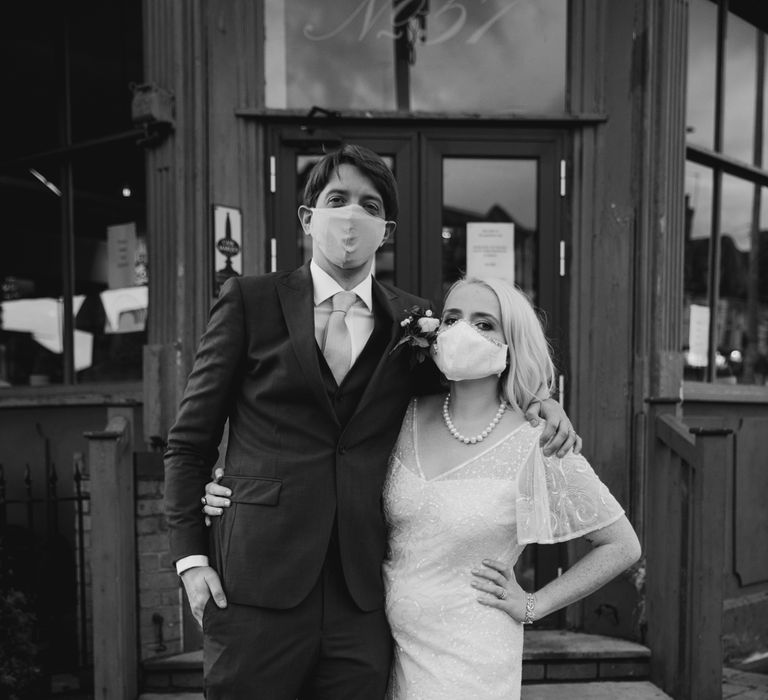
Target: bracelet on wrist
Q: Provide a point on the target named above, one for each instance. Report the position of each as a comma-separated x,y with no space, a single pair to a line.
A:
530,609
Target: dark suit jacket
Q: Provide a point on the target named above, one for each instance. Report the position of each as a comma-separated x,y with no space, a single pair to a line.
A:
306,459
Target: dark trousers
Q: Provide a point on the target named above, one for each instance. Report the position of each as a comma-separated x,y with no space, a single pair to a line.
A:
325,648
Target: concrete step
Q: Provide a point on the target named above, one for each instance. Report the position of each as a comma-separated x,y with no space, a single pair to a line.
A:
561,655
548,655
595,690
598,690
179,673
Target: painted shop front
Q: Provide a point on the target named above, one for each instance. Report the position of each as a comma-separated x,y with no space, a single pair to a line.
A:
609,158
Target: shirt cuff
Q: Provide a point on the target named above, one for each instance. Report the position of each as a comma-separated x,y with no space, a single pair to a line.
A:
188,562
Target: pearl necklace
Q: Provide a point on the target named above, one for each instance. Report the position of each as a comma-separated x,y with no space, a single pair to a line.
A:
477,438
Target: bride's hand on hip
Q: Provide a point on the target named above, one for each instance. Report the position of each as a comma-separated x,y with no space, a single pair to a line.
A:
216,497
499,588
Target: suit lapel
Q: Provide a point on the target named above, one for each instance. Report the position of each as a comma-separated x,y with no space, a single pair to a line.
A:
296,298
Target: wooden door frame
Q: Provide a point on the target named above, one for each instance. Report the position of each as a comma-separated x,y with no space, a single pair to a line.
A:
418,150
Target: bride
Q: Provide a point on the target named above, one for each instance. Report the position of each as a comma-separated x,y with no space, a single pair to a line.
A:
468,487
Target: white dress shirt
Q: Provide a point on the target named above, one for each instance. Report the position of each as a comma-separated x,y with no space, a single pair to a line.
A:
360,323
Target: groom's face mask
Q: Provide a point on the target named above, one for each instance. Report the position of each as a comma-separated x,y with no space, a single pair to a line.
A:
347,236
462,352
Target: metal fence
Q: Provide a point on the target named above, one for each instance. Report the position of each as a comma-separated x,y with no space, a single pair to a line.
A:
43,543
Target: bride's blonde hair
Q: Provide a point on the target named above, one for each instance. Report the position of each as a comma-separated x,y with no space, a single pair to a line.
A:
530,372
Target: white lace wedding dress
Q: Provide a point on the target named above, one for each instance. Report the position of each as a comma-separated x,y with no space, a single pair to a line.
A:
447,645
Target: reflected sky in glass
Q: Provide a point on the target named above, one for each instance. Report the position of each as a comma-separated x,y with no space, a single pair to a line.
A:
479,184
698,190
490,56
736,219
740,82
702,46
740,89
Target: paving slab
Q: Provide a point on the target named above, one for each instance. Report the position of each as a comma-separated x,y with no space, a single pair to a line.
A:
598,690
742,685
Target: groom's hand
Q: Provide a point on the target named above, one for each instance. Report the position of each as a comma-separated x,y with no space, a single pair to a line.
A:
558,435
200,583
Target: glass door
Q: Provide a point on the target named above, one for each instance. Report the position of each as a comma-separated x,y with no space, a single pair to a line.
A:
480,202
492,208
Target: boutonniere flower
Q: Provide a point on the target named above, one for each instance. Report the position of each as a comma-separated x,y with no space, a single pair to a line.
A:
419,332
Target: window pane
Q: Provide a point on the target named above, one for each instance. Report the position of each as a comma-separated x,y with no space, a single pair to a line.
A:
329,54
490,222
518,49
30,73
764,38
702,47
756,353
110,264
30,274
740,89
105,58
698,231
376,54
742,314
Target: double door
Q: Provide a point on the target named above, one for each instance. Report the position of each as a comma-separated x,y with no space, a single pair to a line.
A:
477,200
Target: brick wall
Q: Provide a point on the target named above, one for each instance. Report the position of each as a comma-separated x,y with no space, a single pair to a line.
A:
159,602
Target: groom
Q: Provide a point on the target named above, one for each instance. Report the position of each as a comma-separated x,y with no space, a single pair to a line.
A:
302,365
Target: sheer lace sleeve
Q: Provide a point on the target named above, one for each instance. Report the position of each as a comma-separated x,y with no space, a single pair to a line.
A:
561,499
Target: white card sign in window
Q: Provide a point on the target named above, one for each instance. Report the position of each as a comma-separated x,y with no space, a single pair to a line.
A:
227,244
698,336
491,249
121,255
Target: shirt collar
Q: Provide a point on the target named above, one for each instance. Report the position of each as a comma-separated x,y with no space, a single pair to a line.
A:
324,286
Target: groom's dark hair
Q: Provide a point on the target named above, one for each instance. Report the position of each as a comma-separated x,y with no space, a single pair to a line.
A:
367,162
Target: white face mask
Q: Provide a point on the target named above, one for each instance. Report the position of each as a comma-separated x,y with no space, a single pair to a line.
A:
462,352
348,236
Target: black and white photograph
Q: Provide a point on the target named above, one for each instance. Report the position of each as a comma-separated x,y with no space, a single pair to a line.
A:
384,350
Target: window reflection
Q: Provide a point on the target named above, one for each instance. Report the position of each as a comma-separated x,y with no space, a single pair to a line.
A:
376,54
726,327
742,312
702,50
740,89
38,272
30,269
698,227
110,293
490,191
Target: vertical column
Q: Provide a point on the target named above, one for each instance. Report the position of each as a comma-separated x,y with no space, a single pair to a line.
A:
113,559
663,201
177,206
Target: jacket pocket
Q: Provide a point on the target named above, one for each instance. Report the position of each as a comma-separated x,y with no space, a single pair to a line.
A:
253,490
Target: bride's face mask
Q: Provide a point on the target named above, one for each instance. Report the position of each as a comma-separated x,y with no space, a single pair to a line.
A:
462,352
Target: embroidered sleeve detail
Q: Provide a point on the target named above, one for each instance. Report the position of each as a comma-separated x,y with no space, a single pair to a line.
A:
561,499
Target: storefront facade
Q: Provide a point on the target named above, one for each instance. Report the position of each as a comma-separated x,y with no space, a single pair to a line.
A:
556,129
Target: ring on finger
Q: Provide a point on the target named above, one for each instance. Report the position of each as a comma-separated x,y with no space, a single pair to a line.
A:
204,500
502,595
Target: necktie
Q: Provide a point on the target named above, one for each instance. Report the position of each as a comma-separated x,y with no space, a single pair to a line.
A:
337,346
